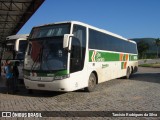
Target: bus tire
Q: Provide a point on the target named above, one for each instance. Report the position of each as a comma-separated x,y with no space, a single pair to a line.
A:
128,73
91,83
132,70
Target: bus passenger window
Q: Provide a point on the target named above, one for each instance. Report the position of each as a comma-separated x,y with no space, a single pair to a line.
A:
75,55
78,48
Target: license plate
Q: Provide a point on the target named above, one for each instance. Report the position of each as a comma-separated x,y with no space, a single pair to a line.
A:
41,85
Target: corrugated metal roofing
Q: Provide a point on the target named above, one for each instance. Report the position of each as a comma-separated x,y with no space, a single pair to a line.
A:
14,14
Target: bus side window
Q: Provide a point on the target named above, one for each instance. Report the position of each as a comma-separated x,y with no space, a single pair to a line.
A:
78,48
75,55
29,49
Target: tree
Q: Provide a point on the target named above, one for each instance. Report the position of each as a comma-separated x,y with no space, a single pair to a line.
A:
142,48
157,43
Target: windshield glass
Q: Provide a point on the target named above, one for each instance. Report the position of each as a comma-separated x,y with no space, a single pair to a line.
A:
22,45
8,52
46,47
50,31
48,54
8,55
22,49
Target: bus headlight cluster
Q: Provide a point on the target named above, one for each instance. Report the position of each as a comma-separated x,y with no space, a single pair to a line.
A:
47,78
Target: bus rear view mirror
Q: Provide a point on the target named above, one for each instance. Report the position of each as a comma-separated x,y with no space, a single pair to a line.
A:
66,40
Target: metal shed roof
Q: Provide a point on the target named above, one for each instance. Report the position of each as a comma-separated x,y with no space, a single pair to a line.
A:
14,14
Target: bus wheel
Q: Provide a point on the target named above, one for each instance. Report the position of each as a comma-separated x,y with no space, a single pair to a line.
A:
128,73
91,83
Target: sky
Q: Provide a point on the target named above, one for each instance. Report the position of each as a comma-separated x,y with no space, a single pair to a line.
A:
128,18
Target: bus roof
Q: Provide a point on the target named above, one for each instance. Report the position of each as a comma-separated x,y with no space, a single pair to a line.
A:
14,37
89,26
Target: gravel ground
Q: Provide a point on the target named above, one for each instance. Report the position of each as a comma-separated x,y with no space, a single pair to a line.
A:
140,93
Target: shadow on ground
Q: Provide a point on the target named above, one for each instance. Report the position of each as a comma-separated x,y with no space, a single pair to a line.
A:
146,77
22,91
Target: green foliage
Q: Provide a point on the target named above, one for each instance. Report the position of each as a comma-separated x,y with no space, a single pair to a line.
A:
157,44
152,52
142,48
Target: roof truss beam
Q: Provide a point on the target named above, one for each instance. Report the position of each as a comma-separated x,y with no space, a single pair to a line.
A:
14,14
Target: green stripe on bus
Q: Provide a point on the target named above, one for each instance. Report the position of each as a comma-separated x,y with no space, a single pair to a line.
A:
46,74
98,56
122,65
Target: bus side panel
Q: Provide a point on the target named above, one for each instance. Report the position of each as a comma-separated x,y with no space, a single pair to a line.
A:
107,70
110,65
80,79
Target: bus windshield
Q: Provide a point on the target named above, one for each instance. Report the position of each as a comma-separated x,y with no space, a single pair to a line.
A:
46,47
8,52
50,31
48,54
8,55
22,45
22,49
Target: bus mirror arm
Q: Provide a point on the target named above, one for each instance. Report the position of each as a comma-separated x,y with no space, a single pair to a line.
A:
66,40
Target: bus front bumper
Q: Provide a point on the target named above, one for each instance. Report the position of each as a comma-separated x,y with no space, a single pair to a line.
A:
56,85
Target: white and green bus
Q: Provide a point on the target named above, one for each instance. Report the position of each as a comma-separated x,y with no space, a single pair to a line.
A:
68,56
